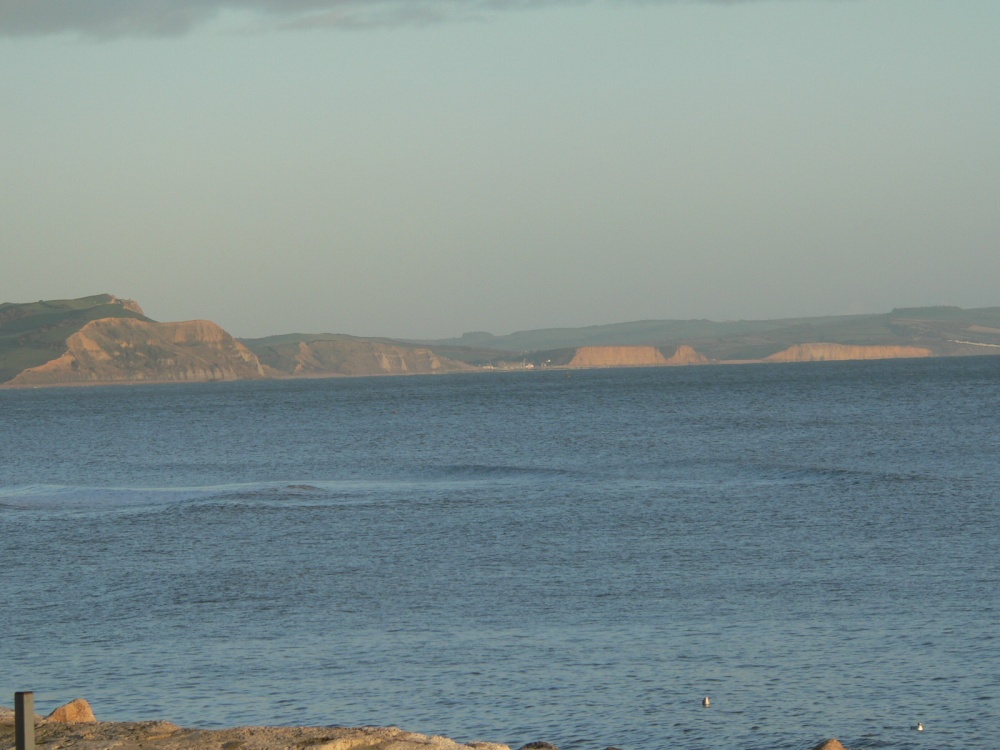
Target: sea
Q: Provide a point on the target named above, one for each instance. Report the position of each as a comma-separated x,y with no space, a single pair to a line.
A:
577,557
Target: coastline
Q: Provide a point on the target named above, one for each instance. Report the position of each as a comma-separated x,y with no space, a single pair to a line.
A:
52,734
480,371
74,725
163,735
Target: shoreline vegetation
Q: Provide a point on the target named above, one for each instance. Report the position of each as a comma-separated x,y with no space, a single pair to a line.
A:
104,340
74,726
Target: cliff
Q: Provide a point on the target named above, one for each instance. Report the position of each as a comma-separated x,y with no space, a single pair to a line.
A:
833,352
360,357
946,331
104,339
651,356
34,333
686,355
633,356
119,350
327,355
617,356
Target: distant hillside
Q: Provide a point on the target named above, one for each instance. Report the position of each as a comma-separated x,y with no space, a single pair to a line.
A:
945,331
104,339
34,333
127,350
327,354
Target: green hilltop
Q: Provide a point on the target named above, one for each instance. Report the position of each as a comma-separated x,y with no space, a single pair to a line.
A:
34,333
282,350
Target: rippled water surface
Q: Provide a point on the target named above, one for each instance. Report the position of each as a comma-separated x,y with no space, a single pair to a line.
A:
518,556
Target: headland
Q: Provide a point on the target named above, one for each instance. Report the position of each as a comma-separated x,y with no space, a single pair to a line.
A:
104,339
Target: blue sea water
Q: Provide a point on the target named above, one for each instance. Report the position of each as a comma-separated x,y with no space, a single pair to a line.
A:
572,557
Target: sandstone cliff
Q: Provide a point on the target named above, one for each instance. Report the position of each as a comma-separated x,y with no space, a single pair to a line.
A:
633,356
617,356
118,350
105,339
34,333
686,355
370,358
831,352
332,355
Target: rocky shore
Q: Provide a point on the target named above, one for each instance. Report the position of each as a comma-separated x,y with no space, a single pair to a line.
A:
74,727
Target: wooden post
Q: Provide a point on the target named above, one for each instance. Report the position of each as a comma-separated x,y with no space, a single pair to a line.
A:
24,721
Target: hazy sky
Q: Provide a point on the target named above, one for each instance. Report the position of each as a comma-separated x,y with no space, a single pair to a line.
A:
421,168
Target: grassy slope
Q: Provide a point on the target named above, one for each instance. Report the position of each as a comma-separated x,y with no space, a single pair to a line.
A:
34,333
279,351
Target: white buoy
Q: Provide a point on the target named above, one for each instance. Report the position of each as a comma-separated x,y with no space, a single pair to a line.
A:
707,702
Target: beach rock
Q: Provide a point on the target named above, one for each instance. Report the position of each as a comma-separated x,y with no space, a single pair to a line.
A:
74,712
161,735
7,716
830,744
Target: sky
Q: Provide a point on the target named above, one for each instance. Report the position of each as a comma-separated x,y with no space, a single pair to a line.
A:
423,168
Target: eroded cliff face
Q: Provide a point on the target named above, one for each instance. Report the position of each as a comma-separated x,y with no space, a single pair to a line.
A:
617,356
122,350
358,357
633,356
831,352
128,304
686,355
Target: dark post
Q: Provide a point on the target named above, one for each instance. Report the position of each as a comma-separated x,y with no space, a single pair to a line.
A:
24,721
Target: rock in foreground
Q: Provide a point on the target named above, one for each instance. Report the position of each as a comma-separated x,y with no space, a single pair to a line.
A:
161,735
830,744
52,733
74,712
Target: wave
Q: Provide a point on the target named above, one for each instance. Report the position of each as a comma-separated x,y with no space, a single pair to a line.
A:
765,473
840,474
69,497
425,484
496,471
84,498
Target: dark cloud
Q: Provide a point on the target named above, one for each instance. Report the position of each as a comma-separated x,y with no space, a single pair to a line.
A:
363,15
104,18
119,18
